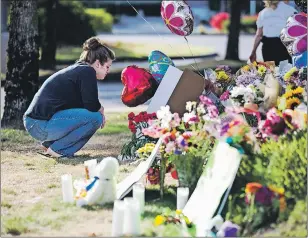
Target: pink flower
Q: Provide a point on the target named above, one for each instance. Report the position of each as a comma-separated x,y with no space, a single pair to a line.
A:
170,147
153,132
225,96
212,111
205,100
176,120
273,116
174,22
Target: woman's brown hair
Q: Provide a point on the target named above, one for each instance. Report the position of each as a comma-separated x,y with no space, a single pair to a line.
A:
94,49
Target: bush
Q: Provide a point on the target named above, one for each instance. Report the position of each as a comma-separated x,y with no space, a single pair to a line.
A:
279,163
297,222
72,24
101,20
283,163
248,24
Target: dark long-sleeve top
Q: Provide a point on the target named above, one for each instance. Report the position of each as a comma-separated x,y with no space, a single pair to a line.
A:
72,87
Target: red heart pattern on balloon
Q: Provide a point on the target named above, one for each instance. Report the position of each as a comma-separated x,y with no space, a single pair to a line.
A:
139,86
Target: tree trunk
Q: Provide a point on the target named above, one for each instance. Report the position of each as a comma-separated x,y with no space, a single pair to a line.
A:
234,29
21,81
49,41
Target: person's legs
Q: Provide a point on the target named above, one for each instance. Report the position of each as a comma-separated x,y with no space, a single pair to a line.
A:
69,130
274,50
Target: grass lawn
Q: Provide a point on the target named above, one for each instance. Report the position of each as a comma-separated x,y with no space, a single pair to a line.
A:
31,188
69,53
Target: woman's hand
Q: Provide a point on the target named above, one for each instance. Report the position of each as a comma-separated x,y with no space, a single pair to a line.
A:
102,110
253,57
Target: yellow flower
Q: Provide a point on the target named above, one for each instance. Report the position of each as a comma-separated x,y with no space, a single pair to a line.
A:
246,68
288,74
292,102
159,220
298,90
288,94
261,70
254,64
222,75
178,211
279,191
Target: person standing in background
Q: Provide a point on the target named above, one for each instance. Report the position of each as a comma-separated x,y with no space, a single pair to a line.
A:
271,20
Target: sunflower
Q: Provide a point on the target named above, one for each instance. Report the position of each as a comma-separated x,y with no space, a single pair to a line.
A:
298,90
288,74
288,94
292,102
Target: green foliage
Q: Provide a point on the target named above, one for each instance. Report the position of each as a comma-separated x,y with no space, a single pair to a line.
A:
296,226
101,20
113,129
279,163
248,24
283,163
15,226
72,24
15,136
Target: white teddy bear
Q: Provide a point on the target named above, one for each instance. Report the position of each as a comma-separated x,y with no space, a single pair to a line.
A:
102,189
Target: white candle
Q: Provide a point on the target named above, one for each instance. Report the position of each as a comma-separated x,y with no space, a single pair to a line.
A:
139,194
131,217
67,188
181,197
90,166
118,218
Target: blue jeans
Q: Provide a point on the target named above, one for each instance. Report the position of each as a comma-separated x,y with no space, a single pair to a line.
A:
67,131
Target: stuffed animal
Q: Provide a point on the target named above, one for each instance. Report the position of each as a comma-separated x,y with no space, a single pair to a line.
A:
102,188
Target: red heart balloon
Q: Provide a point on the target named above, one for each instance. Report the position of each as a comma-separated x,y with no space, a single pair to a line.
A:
139,86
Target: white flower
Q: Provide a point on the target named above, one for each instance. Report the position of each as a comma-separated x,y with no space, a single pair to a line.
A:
163,112
200,109
238,91
165,116
190,106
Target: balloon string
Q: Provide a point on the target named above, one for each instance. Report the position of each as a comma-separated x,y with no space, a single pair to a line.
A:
162,37
192,55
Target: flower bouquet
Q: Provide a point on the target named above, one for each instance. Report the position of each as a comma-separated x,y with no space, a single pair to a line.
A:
186,142
291,99
153,173
296,77
247,100
136,123
221,77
